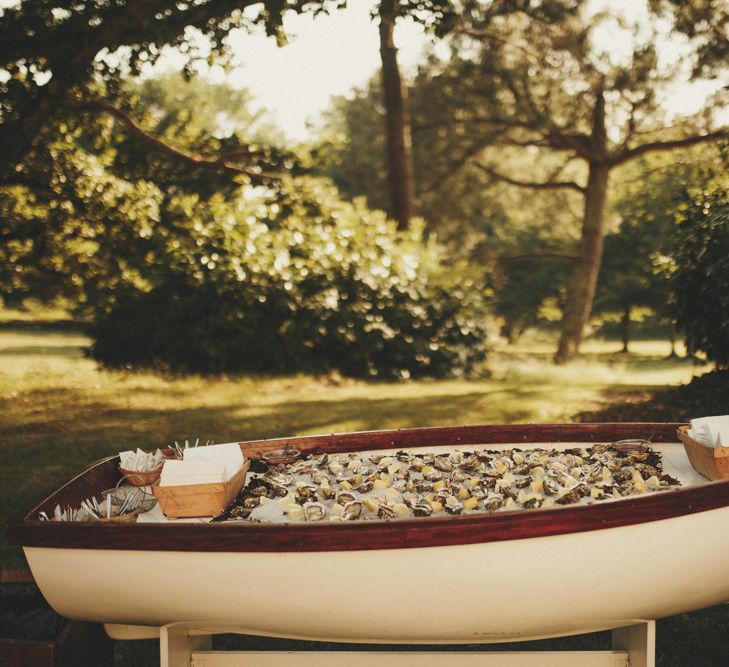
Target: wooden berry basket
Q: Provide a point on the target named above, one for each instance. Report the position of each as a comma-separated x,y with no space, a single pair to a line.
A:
139,478
711,462
191,500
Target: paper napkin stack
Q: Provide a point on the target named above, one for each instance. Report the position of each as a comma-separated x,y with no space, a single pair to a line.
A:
203,465
711,431
140,461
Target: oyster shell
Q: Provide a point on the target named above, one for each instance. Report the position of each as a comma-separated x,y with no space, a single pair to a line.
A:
365,487
260,490
305,492
422,509
280,479
453,505
320,477
251,502
318,460
326,493
314,511
344,497
443,464
573,495
352,510
493,502
469,462
385,511
551,486
279,491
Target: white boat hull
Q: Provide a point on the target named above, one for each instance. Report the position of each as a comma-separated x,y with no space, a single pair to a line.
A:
473,593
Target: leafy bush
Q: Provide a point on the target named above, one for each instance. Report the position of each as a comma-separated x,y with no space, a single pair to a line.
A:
294,281
700,278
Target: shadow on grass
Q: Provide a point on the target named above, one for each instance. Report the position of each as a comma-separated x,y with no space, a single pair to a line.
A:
69,417
45,352
706,394
46,326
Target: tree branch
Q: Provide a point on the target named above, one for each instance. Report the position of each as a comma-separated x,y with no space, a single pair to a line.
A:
486,35
546,185
222,162
537,254
625,155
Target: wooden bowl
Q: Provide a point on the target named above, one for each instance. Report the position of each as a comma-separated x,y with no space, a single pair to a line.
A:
711,462
279,457
142,478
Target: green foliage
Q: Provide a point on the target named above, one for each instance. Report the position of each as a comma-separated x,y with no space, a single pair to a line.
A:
527,286
90,204
630,275
297,281
706,19
196,270
700,279
55,50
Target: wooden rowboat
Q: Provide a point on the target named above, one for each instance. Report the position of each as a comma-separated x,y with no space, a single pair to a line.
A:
488,577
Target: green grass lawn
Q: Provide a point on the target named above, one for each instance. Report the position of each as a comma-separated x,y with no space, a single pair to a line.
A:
59,412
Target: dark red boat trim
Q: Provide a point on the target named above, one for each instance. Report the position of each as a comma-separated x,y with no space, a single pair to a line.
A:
468,435
446,531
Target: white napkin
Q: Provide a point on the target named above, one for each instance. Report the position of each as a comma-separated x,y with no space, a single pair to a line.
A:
203,465
199,471
229,455
707,430
140,461
722,439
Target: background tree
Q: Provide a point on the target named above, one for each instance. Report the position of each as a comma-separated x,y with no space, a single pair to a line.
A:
397,120
517,238
437,15
700,265
631,275
545,86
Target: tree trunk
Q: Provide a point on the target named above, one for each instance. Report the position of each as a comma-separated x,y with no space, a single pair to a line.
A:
581,290
672,339
397,123
625,328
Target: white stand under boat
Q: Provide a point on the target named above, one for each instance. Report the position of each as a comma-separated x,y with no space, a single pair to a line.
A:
478,578
190,645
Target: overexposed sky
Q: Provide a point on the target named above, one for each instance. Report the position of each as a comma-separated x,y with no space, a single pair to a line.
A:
326,56
331,54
